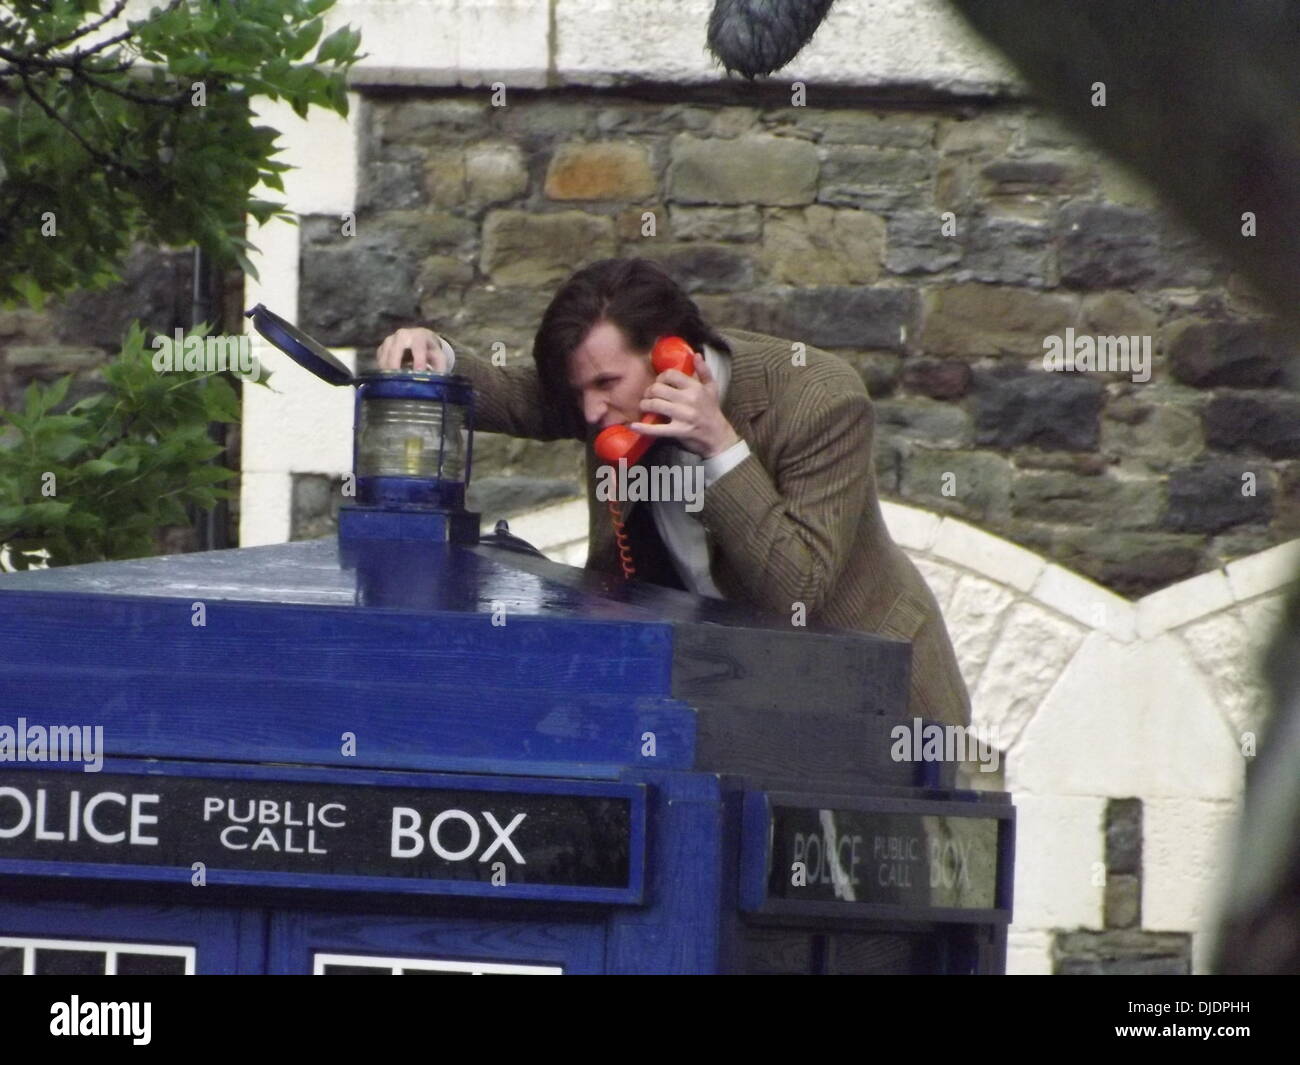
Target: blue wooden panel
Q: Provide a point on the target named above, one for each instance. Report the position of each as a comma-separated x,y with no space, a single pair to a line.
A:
755,849
578,947
276,682
226,940
291,642
680,931
398,725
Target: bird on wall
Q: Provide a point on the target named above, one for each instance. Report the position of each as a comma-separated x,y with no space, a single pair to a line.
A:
1211,88
756,37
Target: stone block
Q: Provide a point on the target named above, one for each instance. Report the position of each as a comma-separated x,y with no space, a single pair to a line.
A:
494,173
1127,562
820,245
1122,952
715,223
916,243
1186,856
1116,314
1236,354
1065,833
1160,436
759,169
1006,251
1122,720
707,267
879,179
938,379
936,424
1261,422
972,320
524,248
974,615
1044,174
1054,411
1032,649
1227,655
970,484
424,122
1213,495
1124,836
1123,901
857,127
603,170
1108,246
843,316
1068,498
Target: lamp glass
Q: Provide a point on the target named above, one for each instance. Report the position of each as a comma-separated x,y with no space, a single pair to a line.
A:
411,438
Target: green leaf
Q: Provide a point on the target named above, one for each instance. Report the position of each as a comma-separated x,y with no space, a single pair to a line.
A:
338,46
99,467
30,290
57,392
46,511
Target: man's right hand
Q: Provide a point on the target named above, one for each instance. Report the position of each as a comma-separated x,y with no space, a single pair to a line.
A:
424,345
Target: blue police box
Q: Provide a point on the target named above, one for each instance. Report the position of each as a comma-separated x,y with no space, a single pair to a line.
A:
411,750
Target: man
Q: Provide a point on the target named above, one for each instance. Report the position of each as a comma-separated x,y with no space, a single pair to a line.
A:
790,522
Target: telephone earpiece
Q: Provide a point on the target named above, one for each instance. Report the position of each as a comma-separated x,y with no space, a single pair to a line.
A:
618,441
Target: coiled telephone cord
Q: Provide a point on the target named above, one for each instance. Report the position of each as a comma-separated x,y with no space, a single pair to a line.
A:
620,535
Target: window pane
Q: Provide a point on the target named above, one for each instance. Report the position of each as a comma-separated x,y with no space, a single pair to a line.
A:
150,965
69,963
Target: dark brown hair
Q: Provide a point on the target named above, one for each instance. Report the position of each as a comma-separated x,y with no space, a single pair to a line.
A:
636,295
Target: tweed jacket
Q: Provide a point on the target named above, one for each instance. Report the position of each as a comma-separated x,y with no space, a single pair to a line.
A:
798,521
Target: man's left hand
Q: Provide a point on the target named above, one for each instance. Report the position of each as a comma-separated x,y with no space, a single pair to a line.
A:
697,422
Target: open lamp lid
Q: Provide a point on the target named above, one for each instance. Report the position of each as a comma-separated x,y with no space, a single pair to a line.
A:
306,351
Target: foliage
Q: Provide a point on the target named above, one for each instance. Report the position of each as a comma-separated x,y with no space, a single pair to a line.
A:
110,135
99,480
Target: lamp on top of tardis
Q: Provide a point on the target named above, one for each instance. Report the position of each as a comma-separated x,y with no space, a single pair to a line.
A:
412,446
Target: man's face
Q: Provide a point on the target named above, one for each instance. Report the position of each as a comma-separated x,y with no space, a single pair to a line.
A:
607,378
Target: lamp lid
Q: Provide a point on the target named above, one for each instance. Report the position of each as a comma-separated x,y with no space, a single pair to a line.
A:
306,351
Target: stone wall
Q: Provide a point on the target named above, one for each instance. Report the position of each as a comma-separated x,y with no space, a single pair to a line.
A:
828,226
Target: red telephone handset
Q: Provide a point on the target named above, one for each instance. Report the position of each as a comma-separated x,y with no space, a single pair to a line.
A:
618,441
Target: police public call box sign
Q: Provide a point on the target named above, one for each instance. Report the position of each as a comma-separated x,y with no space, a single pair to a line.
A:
411,833
932,859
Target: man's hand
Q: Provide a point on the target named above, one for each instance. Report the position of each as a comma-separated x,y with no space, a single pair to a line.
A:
697,422
425,348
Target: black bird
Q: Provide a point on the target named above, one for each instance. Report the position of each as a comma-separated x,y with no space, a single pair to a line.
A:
759,36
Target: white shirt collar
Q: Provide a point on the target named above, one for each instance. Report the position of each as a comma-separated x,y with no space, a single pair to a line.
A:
720,366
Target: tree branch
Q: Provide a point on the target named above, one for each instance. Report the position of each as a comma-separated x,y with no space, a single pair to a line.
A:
127,94
77,34
95,153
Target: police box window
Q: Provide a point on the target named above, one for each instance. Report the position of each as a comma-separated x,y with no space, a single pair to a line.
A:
370,965
26,956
